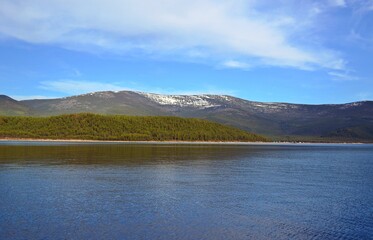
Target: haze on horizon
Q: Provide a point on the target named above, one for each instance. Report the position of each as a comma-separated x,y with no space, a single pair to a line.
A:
272,51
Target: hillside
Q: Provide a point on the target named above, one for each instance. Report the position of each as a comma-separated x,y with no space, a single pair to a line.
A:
280,121
9,106
100,127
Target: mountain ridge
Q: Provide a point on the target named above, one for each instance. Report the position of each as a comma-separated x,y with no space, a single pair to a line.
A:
335,122
10,106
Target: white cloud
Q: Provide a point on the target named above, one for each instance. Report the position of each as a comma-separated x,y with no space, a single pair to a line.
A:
342,76
78,87
73,87
29,97
235,64
338,3
219,29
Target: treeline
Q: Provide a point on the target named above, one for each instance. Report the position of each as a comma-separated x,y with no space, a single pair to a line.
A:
88,126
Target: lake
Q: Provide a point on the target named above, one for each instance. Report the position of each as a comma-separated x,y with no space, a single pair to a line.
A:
176,191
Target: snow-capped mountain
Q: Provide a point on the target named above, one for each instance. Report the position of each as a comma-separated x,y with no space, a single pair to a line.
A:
281,120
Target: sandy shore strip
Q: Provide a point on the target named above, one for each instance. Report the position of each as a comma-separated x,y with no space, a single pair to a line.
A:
72,141
129,142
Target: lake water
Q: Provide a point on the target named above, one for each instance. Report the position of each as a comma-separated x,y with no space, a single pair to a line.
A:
148,191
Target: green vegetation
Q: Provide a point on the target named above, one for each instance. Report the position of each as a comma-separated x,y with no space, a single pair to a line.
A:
117,127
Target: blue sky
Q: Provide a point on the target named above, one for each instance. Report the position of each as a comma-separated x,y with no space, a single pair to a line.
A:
274,51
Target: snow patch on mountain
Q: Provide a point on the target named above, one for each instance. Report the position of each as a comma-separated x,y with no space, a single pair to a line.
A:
351,105
272,107
196,101
103,94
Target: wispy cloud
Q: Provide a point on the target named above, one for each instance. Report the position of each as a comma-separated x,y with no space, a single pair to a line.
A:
221,30
235,64
360,31
363,96
343,76
338,3
78,87
29,97
202,90
74,87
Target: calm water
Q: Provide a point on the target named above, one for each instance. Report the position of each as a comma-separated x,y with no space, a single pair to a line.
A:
128,191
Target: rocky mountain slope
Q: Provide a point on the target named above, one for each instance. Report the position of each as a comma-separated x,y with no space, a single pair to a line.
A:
334,122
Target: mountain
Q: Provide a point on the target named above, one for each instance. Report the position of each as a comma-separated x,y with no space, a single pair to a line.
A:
9,106
281,121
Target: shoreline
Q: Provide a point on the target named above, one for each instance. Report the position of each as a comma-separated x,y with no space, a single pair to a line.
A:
32,140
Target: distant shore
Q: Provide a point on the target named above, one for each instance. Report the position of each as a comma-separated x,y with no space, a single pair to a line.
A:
120,141
167,142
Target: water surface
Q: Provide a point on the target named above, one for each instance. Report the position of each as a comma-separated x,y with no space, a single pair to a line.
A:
150,191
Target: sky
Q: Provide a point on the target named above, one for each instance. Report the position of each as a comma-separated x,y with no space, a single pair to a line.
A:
296,51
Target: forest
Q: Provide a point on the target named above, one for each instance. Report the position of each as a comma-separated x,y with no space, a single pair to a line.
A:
87,126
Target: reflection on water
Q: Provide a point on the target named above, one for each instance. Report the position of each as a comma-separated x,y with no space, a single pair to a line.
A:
46,153
131,191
